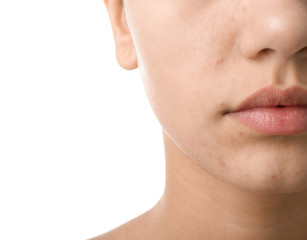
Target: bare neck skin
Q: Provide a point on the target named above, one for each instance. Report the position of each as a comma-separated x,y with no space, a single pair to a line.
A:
197,205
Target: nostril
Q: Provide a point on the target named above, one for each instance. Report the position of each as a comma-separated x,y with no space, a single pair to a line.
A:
303,51
265,51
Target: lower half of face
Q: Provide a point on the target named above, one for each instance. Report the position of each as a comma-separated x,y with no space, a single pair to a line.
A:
197,67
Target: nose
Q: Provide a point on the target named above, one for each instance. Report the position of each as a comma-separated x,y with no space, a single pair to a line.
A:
277,27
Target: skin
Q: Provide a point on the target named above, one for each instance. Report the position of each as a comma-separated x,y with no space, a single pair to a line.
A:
199,59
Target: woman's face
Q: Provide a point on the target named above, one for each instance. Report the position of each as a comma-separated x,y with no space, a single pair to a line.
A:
200,59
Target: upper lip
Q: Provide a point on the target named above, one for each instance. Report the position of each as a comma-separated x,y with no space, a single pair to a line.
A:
273,97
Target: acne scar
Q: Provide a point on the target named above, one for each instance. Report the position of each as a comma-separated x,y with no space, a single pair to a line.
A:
273,177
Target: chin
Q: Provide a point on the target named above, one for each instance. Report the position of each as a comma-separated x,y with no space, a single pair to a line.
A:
274,170
271,182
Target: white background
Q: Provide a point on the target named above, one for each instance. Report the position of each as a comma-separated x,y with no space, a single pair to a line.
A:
81,151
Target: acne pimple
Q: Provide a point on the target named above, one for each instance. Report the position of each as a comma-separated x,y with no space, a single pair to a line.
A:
221,161
219,61
222,104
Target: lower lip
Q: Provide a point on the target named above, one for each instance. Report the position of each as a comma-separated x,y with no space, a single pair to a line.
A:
274,120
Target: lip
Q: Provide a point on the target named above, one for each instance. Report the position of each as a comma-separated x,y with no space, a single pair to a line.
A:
274,111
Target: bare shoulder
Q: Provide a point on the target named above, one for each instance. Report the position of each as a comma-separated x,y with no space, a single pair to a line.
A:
135,229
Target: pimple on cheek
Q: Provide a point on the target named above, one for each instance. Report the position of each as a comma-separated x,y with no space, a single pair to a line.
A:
221,161
219,61
223,164
240,133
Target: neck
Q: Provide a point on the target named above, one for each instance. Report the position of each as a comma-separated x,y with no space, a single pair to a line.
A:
197,205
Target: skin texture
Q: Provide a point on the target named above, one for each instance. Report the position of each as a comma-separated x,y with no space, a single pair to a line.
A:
199,59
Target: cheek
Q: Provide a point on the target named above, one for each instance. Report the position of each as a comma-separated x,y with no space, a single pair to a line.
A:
181,47
183,60
183,64
173,32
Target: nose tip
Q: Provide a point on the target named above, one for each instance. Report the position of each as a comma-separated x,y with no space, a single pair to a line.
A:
278,28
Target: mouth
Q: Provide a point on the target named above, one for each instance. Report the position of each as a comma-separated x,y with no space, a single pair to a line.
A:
274,112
